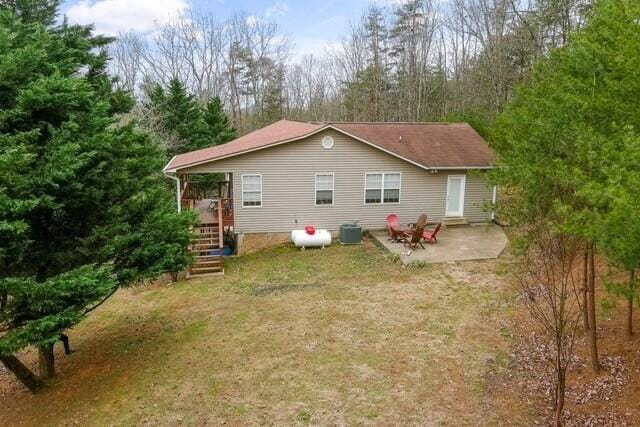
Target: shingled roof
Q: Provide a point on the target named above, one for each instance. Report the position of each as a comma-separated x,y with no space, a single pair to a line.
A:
429,145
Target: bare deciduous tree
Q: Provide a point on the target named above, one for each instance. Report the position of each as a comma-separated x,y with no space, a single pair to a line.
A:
551,290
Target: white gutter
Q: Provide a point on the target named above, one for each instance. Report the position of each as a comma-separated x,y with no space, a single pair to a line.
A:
177,180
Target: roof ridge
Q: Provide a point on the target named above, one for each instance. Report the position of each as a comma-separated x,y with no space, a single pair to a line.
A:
284,119
397,123
364,122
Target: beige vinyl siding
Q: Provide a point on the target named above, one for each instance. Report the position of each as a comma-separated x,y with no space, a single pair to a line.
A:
477,197
288,186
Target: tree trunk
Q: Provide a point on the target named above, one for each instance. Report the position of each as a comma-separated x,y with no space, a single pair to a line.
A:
65,343
24,374
630,298
585,286
595,363
560,391
47,362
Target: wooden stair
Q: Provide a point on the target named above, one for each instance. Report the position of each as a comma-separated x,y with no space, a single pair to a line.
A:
208,239
454,221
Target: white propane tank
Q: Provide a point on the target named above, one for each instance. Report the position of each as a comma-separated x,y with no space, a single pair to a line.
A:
294,233
320,238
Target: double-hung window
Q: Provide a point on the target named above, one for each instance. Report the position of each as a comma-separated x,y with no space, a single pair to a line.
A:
382,188
324,189
251,190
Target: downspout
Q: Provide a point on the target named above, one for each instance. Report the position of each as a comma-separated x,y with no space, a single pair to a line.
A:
493,202
177,180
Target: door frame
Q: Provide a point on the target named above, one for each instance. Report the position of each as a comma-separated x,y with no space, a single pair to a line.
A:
463,182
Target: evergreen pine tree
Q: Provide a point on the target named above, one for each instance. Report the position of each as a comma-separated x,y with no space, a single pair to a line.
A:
33,11
182,114
217,122
178,116
272,98
84,208
181,123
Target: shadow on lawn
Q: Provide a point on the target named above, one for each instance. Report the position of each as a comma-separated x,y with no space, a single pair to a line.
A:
113,356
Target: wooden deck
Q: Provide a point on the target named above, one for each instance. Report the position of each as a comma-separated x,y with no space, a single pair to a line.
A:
205,215
209,216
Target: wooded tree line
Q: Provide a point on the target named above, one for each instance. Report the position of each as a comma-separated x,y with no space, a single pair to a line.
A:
420,60
241,61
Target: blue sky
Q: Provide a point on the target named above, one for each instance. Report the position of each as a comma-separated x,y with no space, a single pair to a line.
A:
310,24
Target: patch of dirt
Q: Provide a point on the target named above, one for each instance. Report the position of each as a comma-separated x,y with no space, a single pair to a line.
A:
608,399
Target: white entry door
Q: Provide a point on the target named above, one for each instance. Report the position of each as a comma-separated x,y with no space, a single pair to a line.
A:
455,195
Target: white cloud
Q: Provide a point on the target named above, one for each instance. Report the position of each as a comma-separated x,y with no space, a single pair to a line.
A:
252,20
279,8
113,16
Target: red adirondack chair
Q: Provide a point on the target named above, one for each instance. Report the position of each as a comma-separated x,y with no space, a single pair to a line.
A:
429,236
393,228
392,221
413,237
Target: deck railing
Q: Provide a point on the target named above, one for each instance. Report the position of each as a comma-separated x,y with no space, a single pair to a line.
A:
220,209
198,191
187,204
223,210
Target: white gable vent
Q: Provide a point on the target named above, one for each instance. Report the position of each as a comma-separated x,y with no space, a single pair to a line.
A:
327,142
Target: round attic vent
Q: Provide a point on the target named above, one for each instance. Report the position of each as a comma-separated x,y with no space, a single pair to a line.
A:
327,142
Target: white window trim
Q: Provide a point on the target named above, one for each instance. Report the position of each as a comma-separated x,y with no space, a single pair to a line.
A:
242,190
382,202
333,189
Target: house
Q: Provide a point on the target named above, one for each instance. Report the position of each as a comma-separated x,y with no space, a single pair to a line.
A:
291,174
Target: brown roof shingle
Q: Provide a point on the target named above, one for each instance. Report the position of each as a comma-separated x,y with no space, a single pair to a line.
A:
430,145
279,131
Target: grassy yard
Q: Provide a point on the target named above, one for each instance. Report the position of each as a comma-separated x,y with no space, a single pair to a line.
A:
337,336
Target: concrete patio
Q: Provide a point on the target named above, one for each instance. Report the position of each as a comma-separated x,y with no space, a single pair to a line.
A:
464,243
